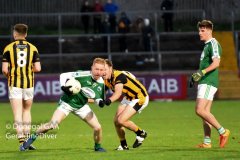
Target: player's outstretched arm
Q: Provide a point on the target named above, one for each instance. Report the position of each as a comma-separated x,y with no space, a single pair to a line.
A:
116,94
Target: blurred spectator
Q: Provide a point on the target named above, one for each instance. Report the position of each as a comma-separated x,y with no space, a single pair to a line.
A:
111,8
147,35
137,28
137,25
106,29
85,18
167,5
123,27
97,8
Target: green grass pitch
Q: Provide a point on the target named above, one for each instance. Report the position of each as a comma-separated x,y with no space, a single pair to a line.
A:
173,132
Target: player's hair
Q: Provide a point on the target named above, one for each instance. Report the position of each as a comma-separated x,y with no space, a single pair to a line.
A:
205,23
21,28
99,60
109,63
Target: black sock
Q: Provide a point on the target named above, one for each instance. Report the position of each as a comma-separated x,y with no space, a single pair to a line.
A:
123,142
139,132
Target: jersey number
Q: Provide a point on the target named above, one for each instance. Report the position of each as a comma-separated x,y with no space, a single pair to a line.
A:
21,58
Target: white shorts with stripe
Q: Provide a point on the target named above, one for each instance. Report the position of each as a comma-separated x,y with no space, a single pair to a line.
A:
206,91
82,112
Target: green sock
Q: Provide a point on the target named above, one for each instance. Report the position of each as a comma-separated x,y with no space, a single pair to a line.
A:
34,136
97,145
221,130
207,140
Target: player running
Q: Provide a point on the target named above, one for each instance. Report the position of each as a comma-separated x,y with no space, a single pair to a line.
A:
93,88
207,78
135,100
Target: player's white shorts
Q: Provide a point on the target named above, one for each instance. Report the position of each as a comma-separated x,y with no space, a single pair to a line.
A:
206,91
20,93
82,112
133,103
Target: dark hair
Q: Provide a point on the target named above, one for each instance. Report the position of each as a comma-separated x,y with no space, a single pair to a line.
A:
21,28
109,63
205,23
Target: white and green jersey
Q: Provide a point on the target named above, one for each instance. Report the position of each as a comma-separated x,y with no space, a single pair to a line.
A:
212,49
90,88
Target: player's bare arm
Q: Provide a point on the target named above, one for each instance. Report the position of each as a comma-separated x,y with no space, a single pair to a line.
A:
36,67
5,68
215,64
117,92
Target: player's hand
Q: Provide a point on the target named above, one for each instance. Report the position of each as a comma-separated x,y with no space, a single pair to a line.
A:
198,75
191,82
100,102
66,90
108,102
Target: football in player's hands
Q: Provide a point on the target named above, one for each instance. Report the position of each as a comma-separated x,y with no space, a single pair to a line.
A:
66,89
73,85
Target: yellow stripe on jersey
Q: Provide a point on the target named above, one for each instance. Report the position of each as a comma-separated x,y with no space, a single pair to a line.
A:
21,55
132,88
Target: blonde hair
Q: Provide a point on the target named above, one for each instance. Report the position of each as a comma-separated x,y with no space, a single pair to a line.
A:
99,61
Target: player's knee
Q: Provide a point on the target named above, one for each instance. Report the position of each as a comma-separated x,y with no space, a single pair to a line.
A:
97,128
120,121
115,121
199,111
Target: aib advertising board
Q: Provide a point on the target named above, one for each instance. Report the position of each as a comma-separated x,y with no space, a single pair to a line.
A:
47,87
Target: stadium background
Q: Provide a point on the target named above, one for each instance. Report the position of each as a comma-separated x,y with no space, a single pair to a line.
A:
56,29
173,128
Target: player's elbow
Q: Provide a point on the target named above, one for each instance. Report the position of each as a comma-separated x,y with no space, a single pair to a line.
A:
216,62
37,69
116,96
217,65
5,72
5,69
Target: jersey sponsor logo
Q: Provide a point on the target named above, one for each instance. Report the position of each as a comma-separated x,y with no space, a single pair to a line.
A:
21,46
99,88
94,85
89,83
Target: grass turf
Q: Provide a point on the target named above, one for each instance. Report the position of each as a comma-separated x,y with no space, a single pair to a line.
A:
173,132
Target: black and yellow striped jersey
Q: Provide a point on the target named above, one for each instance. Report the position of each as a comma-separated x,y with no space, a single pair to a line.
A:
132,88
20,56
